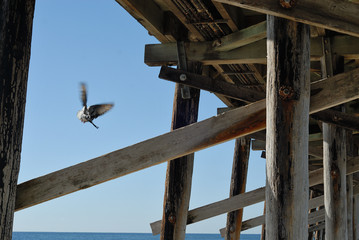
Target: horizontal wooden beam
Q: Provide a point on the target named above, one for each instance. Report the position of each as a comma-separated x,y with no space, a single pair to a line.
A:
210,84
341,119
243,37
253,197
206,53
340,16
227,126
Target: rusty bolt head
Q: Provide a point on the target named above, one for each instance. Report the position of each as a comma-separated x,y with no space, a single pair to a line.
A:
183,77
286,92
172,219
287,3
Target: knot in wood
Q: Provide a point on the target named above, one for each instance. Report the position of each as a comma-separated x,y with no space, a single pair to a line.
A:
286,93
287,3
172,219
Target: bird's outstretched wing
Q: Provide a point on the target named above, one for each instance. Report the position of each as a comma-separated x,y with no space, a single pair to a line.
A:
83,95
99,109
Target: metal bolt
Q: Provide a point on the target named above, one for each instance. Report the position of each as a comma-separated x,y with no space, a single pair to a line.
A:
172,219
286,91
287,3
183,77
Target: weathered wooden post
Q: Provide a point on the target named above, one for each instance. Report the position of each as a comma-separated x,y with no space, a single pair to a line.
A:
356,217
16,18
238,185
179,171
288,93
334,162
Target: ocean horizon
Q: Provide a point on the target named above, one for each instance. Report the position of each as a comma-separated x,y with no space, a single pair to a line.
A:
114,236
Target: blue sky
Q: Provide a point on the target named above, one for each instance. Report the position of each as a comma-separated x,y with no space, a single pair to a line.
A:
99,43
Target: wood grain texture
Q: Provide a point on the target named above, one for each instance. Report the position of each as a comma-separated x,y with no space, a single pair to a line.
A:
238,186
288,95
179,171
229,125
210,84
340,16
334,164
206,53
16,21
315,178
243,37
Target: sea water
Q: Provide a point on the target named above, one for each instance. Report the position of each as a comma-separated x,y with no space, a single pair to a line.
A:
114,236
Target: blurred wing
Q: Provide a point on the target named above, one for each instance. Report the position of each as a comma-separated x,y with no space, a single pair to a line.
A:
83,95
99,109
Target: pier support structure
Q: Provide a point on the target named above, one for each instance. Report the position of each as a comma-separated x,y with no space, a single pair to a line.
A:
288,93
16,19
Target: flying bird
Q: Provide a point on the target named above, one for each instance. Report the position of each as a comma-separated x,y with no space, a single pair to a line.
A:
88,114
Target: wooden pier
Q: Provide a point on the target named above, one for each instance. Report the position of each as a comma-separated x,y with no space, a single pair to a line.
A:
288,70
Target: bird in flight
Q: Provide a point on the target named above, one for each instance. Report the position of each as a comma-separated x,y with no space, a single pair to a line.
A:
88,114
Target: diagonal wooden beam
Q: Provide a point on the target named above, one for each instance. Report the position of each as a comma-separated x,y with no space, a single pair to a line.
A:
207,54
210,84
340,16
340,119
243,37
224,127
252,197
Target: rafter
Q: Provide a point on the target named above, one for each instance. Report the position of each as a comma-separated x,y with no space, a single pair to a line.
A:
340,16
205,52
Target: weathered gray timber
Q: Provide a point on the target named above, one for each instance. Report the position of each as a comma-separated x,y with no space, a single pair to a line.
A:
341,119
334,162
179,171
252,197
356,217
16,19
288,94
340,16
243,37
206,53
238,186
209,84
220,207
229,125
350,206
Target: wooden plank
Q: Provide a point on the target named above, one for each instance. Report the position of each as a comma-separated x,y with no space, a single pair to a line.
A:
238,185
210,84
340,119
288,96
340,16
229,125
257,221
243,37
205,52
16,23
220,207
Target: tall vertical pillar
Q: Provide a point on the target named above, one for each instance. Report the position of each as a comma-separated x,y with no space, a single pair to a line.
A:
288,94
238,186
16,19
179,171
